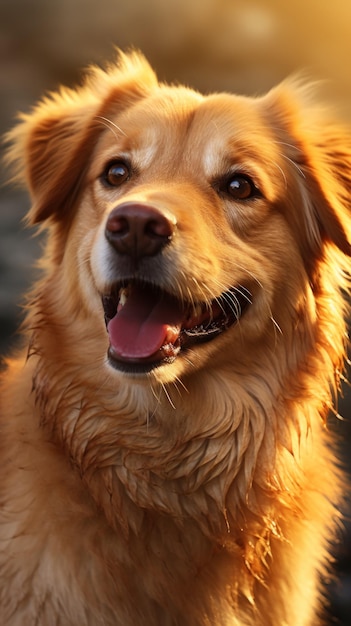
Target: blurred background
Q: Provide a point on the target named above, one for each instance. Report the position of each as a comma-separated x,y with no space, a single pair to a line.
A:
244,46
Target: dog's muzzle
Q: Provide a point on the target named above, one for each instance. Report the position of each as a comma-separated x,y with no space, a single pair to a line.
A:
149,326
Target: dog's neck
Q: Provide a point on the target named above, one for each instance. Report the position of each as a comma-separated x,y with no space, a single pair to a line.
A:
173,452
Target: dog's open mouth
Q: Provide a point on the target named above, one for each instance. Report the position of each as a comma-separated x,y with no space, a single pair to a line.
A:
148,327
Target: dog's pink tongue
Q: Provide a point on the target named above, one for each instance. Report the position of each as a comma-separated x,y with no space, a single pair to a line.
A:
144,324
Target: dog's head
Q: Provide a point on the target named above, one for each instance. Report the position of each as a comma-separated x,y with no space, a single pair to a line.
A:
183,229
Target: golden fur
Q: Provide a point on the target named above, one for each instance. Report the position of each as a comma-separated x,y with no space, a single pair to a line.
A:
204,491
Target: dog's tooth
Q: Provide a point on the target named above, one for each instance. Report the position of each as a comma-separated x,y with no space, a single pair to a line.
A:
123,297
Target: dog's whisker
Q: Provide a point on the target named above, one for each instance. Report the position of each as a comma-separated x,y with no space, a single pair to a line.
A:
166,393
156,394
296,148
250,274
244,293
178,385
110,124
151,414
202,288
233,303
276,325
300,171
109,128
282,173
179,381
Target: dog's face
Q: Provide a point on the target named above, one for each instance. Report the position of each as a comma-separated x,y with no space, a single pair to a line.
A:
186,208
192,225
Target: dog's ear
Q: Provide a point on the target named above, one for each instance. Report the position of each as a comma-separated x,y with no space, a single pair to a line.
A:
49,148
318,152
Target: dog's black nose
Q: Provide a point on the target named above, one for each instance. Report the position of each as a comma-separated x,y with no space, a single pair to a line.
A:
138,229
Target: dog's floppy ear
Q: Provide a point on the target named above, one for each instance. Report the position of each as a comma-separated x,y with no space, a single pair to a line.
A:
319,151
50,147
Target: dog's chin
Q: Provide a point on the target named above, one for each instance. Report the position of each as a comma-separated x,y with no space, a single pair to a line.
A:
152,333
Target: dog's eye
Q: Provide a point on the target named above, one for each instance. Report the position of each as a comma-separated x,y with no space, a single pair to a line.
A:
240,187
116,173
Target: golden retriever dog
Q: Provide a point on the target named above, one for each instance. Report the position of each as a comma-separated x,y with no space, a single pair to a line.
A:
164,450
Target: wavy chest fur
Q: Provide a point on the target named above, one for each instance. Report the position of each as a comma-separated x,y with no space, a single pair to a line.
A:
217,458
193,489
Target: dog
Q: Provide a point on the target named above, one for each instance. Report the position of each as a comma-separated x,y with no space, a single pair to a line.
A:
165,453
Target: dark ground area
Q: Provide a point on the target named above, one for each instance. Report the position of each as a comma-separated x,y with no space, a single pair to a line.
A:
238,45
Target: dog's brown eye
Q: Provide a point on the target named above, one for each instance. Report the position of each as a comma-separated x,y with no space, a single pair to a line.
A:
116,173
241,187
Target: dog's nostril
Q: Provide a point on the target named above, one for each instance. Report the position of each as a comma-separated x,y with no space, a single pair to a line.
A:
138,229
117,225
158,228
